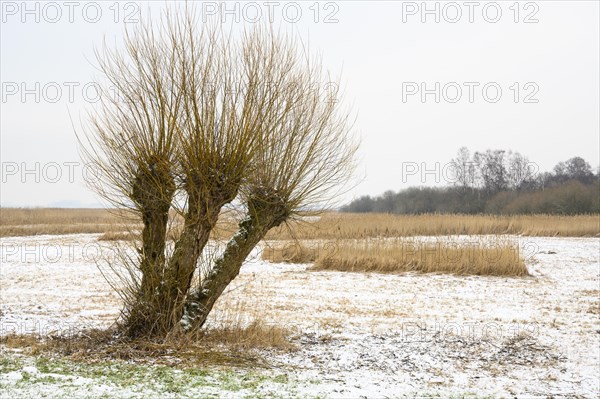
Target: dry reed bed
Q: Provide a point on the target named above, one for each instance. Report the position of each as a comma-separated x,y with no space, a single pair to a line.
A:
491,257
357,226
114,224
20,222
37,221
370,225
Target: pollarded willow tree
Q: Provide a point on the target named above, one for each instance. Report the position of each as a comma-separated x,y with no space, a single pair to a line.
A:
194,116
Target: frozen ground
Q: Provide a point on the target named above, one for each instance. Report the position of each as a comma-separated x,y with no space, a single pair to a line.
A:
359,334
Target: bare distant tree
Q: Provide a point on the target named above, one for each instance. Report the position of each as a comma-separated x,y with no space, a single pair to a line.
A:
520,171
464,168
560,172
578,169
492,169
575,168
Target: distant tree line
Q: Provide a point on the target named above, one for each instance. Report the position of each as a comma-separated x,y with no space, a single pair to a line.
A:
496,182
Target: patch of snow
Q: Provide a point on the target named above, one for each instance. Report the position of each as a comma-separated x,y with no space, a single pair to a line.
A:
30,369
360,334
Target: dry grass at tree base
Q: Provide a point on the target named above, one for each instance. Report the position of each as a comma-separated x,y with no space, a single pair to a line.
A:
392,256
119,225
234,331
219,346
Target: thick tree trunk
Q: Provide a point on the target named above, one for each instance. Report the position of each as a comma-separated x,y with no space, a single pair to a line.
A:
226,268
183,263
154,236
153,191
165,285
200,220
144,313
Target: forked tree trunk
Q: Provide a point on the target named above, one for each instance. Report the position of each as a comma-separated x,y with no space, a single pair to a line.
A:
165,284
200,220
183,263
226,268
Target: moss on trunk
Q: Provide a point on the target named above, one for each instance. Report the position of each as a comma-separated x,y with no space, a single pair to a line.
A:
263,215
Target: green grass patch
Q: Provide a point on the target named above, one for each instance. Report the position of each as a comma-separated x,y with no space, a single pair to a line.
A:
62,377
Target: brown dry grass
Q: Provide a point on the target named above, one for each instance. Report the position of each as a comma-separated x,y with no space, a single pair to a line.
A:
19,222
230,346
115,225
236,328
372,225
482,257
100,345
292,252
119,236
239,321
37,221
253,335
499,260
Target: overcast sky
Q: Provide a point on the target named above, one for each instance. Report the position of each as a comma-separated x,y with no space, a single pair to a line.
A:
527,75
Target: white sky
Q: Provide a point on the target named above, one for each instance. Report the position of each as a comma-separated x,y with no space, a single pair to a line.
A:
380,48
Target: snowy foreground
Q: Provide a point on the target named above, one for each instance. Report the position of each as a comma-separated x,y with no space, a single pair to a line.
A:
359,334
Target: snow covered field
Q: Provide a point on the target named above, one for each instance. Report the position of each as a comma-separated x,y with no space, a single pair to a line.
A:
359,334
